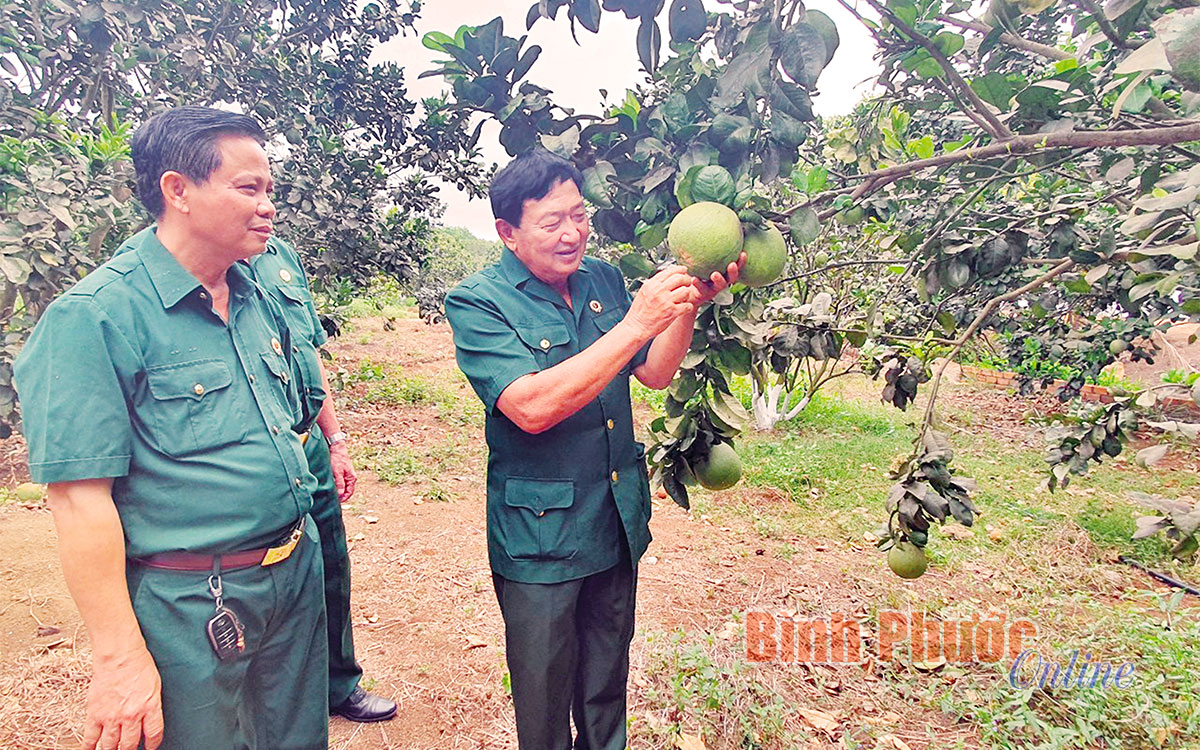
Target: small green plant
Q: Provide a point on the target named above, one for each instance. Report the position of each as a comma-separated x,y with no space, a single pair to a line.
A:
399,392
1181,377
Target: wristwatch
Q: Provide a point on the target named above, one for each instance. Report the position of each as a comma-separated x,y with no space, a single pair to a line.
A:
335,438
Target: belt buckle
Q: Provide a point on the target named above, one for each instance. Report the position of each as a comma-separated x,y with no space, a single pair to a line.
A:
284,551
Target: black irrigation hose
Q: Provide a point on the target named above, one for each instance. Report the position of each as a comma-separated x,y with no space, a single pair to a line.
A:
1160,576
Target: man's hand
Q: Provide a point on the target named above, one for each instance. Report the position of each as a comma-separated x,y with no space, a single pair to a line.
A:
707,290
664,297
344,477
124,703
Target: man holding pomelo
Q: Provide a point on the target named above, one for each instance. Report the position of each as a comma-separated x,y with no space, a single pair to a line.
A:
548,339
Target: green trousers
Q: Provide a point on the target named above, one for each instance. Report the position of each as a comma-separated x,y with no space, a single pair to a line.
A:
273,695
568,657
344,672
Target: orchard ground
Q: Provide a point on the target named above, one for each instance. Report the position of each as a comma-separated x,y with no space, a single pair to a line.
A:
790,539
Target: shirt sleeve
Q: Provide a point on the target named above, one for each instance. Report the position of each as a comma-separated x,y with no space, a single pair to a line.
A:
69,378
486,346
639,358
319,337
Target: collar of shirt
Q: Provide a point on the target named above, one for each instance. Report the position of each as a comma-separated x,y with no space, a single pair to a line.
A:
519,275
173,282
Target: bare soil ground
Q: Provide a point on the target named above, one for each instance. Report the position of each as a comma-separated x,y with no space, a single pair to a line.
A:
428,630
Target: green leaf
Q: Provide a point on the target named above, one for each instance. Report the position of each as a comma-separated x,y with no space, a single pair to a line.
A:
804,225
817,178
905,10
1180,34
921,148
649,42
595,183
802,54
947,322
948,43
588,13
437,41
636,266
650,235
827,29
713,183
994,89
686,20
526,62
563,144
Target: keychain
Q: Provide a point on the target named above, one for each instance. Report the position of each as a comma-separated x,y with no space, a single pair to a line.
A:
225,631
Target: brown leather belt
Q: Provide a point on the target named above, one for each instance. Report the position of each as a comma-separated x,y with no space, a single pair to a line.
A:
199,562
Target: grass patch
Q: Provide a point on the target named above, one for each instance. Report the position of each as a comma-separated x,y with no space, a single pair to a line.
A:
1158,710
691,686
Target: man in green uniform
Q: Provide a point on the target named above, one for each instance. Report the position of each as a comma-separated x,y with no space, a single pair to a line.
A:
279,271
549,339
159,399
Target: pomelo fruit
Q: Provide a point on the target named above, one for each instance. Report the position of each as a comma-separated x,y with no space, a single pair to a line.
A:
720,469
706,237
766,255
29,492
907,560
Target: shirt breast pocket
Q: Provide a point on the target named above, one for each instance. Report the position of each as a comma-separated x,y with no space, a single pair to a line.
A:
549,342
191,408
295,308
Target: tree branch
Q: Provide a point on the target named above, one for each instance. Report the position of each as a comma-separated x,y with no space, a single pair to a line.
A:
1183,131
997,129
1106,27
1044,50
977,323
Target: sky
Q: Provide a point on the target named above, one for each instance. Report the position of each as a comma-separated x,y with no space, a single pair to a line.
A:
577,72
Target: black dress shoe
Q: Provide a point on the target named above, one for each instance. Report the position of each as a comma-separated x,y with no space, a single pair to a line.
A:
362,706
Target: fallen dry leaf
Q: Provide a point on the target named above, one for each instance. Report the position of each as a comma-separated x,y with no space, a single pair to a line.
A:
687,741
474,641
818,719
371,519
893,742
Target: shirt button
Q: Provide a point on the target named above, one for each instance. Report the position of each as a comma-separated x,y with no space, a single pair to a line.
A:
615,476
203,295
611,424
199,389
275,429
299,483
251,377
541,513
545,343
295,348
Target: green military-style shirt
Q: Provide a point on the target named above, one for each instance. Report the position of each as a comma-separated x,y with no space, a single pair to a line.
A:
132,375
279,272
559,501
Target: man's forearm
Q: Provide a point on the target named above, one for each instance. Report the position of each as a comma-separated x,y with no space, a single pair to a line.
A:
538,401
92,546
667,351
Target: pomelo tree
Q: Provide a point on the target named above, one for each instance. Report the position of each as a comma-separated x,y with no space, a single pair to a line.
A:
353,153
1031,171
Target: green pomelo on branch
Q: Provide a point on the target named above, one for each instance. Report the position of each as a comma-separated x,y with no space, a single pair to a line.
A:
907,560
29,492
720,469
766,255
706,237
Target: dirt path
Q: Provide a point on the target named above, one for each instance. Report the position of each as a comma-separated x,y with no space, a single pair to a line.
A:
427,626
